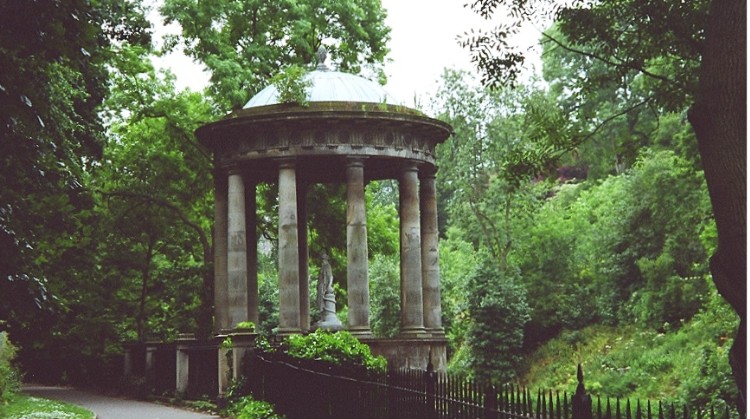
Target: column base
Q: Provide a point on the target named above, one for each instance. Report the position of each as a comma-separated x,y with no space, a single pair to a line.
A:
437,332
414,333
361,332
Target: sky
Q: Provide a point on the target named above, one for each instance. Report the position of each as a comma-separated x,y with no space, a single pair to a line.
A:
423,43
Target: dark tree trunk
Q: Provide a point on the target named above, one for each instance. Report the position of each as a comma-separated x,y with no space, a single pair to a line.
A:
145,279
206,310
719,119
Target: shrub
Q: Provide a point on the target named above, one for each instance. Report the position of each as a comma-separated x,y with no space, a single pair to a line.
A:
246,325
498,310
292,86
338,348
249,408
9,378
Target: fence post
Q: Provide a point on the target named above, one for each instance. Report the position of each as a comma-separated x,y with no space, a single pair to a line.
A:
490,401
581,402
430,379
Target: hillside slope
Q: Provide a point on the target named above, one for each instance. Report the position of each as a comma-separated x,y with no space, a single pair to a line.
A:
686,365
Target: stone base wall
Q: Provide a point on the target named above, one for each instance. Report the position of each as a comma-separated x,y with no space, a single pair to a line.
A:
411,353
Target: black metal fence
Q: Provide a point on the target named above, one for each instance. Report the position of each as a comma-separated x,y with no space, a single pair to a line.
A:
309,390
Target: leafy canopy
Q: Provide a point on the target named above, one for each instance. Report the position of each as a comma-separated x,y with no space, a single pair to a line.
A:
244,43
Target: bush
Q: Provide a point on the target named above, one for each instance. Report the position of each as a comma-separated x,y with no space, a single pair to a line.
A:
498,310
249,408
338,348
9,377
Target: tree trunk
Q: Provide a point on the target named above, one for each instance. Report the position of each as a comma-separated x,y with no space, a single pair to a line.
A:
206,310
145,279
719,119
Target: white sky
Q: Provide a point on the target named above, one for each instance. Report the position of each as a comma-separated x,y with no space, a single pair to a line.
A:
423,43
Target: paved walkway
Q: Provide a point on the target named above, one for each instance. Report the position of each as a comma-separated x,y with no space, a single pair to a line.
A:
112,407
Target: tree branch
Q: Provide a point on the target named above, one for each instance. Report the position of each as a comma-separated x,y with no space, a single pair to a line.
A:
622,63
171,207
579,141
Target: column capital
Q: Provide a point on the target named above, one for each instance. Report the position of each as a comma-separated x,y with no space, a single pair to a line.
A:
427,171
286,162
355,161
410,166
233,169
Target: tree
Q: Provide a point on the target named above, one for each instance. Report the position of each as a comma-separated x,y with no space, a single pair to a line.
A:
244,43
52,80
487,207
688,53
498,313
155,195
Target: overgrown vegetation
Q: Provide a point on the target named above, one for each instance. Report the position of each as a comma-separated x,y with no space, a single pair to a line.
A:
24,407
685,364
574,210
338,348
291,85
9,375
246,407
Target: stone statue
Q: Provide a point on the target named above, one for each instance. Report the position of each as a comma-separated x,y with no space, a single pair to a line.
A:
322,56
325,281
326,300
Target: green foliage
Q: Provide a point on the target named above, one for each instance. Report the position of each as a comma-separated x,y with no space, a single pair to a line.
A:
385,301
339,348
22,407
155,201
458,259
248,408
687,365
498,312
268,293
626,249
9,376
246,325
263,345
227,343
244,43
291,85
54,79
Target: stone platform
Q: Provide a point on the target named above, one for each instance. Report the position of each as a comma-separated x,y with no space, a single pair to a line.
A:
412,353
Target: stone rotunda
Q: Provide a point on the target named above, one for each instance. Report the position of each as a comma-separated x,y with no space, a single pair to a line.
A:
351,131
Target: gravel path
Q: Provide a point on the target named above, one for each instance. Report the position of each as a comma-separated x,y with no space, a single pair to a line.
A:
112,407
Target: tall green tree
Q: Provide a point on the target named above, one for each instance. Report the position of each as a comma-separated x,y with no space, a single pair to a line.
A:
53,78
245,42
485,207
498,313
156,196
690,54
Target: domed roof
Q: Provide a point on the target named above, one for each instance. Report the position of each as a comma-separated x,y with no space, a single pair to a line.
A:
330,86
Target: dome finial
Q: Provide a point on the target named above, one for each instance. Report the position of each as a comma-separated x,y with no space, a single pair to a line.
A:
322,55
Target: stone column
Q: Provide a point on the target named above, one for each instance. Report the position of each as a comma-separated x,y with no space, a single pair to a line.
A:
221,299
430,267
223,363
412,317
251,221
150,367
289,299
182,361
304,280
127,362
356,249
237,254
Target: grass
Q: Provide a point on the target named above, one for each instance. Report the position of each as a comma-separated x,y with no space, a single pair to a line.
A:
22,406
686,365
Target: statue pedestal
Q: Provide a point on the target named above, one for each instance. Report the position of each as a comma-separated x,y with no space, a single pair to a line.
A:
328,319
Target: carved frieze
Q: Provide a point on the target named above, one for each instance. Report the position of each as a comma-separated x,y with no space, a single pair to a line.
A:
382,141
